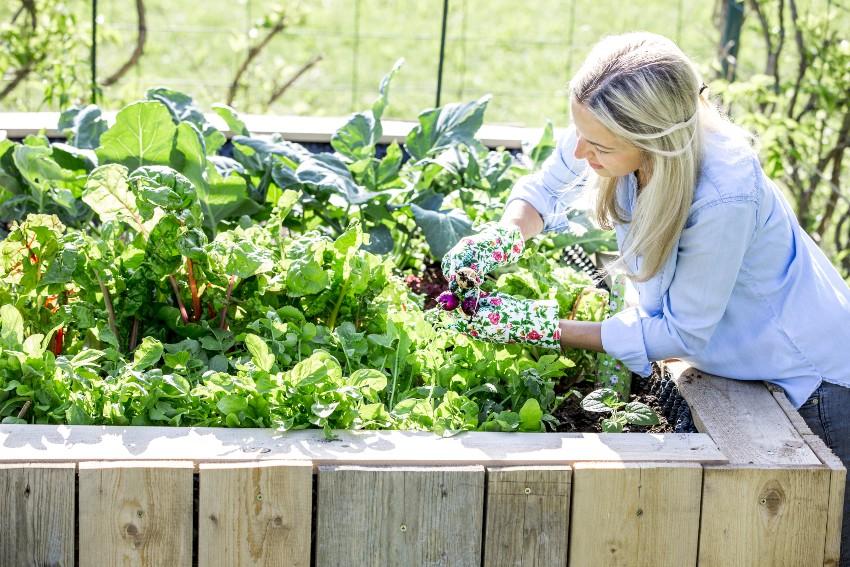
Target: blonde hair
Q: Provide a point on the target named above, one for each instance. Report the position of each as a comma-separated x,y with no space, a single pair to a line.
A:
645,90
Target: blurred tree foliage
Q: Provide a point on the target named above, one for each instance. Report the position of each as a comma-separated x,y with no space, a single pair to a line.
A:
42,41
800,108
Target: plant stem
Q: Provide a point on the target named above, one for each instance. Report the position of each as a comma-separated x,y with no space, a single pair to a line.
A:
395,376
222,323
107,299
335,312
183,314
193,288
134,334
335,226
24,409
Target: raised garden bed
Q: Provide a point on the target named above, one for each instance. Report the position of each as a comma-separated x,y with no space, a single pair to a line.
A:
296,323
755,487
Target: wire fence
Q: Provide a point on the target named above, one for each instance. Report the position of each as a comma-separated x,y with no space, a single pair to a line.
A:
522,53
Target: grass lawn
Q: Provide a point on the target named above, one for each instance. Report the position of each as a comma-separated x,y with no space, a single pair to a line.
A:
521,52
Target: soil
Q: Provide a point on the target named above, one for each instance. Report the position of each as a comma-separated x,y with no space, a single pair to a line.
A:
575,419
429,283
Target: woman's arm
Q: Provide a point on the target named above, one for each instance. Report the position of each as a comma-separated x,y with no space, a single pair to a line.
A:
581,334
523,215
549,193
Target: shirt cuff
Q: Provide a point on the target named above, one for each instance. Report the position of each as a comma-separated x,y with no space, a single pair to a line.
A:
622,338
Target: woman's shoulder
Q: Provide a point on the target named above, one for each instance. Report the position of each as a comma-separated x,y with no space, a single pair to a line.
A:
729,171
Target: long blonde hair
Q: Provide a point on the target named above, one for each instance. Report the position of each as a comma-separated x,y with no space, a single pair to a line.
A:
644,89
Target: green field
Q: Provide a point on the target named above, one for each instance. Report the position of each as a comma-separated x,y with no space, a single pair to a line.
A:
522,53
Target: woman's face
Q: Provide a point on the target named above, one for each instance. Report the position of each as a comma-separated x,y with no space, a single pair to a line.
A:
608,154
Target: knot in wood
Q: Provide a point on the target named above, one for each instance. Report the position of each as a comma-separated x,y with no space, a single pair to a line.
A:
772,499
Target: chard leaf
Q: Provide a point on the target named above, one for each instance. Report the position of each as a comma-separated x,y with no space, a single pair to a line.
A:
327,172
147,353
439,128
231,118
442,229
83,125
545,146
143,134
380,240
108,193
320,366
259,154
260,353
11,327
232,404
74,159
530,415
182,109
357,138
38,168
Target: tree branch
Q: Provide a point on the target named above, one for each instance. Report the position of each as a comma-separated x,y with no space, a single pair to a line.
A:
278,91
252,54
141,37
804,59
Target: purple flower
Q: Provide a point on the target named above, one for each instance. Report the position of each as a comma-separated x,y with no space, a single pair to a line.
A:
469,305
448,301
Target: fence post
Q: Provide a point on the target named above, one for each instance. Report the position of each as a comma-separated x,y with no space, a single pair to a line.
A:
731,37
442,51
93,51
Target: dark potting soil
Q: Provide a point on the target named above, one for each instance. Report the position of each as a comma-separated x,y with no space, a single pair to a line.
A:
430,283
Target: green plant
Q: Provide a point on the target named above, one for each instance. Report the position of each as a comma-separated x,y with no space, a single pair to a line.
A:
605,400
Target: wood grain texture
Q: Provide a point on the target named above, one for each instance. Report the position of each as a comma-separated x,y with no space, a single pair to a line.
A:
45,443
635,514
757,516
742,417
136,514
528,516
380,516
837,494
793,415
37,514
255,514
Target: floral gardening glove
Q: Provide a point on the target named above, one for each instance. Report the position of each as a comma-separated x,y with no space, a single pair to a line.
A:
501,318
495,246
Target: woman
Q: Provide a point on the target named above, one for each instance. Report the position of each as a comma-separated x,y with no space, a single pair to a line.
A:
727,279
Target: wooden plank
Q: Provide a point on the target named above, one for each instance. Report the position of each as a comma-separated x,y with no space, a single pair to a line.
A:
793,415
294,128
37,514
837,493
255,514
135,513
528,516
40,443
742,417
399,516
635,514
758,516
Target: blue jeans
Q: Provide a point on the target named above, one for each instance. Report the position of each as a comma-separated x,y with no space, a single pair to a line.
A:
827,413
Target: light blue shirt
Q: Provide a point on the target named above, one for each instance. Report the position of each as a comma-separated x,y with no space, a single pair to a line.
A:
745,294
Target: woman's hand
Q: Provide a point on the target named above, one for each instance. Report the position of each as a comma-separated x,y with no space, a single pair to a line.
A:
501,318
495,246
